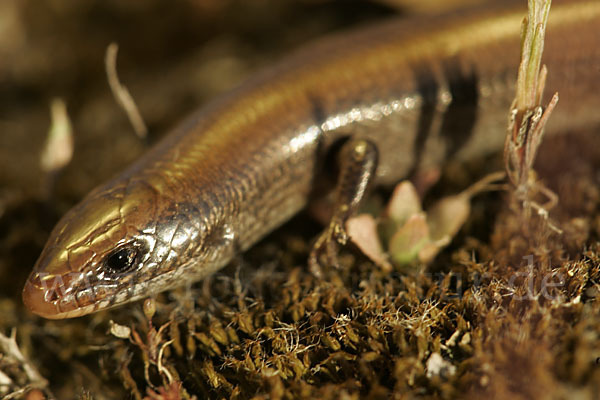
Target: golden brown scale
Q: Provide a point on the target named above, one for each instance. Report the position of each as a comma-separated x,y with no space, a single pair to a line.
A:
421,91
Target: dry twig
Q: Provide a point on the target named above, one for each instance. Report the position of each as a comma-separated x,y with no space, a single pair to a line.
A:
121,93
528,117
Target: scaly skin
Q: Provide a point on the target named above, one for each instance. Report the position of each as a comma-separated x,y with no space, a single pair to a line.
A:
422,91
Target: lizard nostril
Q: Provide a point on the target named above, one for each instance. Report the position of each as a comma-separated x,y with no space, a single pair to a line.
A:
39,300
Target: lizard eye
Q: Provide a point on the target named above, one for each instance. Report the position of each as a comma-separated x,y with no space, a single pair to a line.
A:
121,260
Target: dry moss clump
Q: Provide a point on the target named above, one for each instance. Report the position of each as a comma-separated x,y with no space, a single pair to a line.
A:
514,318
519,330
508,314
513,315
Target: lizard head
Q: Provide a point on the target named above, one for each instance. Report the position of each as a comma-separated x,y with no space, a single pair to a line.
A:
121,243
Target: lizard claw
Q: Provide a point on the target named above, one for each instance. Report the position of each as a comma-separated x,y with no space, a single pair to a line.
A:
327,246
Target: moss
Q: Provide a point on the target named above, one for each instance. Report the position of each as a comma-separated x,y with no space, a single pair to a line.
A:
265,327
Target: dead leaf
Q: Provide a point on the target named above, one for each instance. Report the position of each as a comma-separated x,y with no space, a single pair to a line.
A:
362,230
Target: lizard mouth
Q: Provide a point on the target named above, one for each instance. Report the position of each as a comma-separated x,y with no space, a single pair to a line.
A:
54,297
43,301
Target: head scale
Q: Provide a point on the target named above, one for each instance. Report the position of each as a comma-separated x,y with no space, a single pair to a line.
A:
117,245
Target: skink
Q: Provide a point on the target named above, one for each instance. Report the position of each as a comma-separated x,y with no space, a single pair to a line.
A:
409,95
